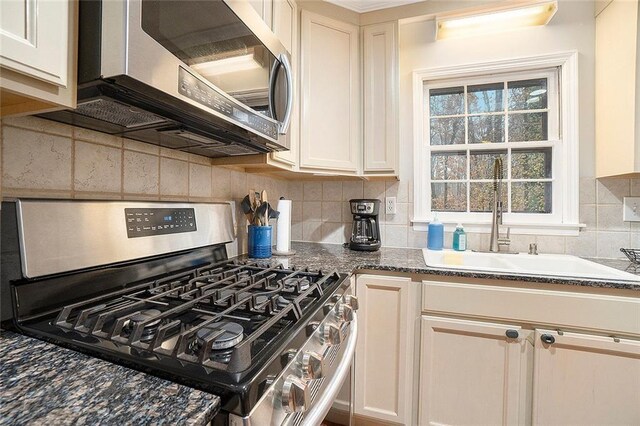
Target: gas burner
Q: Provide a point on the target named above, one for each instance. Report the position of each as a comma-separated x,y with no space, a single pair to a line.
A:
282,302
302,283
149,329
233,334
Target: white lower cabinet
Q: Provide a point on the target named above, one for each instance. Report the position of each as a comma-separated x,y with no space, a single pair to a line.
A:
584,379
477,371
384,373
472,372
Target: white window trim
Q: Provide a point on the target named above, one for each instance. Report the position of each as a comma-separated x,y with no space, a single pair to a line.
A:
567,223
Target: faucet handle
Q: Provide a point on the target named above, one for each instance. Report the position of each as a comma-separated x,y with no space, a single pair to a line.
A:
533,248
505,241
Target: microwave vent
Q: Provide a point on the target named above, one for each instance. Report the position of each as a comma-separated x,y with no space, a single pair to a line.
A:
117,113
234,149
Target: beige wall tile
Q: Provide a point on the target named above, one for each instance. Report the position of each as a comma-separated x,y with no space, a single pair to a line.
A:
174,177
97,137
35,160
587,191
311,211
97,168
587,215
333,233
199,180
612,190
221,183
374,189
400,218
416,239
296,231
173,153
141,174
550,244
332,191
398,189
312,191
199,159
635,187
296,211
583,245
396,236
39,125
140,146
610,218
294,190
331,211
609,243
312,231
352,189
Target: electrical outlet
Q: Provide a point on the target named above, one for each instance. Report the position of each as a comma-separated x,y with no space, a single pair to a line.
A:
631,209
390,205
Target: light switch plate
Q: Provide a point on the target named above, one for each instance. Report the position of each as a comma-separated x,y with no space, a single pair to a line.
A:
631,209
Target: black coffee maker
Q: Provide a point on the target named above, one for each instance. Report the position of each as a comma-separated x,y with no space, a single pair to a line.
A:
365,233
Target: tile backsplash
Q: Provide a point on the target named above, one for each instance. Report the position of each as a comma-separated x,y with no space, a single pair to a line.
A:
46,159
321,214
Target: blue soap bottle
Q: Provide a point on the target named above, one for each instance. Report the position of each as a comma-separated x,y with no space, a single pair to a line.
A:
435,235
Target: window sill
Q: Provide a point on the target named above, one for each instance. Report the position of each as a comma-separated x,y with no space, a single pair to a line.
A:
560,229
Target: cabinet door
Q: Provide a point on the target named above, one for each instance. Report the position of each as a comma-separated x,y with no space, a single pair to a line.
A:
384,351
285,26
472,373
34,38
330,93
380,97
585,379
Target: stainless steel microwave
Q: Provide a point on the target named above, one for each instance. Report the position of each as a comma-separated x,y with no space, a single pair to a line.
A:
202,76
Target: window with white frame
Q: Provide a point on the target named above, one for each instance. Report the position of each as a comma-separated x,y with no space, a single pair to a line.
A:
467,121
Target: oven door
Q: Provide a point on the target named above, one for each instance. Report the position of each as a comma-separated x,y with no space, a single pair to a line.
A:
223,44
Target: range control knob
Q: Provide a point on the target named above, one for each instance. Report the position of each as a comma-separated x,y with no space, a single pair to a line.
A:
331,334
295,397
287,356
312,366
344,312
352,301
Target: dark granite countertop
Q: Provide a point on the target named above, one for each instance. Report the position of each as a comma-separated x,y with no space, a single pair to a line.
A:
410,260
41,383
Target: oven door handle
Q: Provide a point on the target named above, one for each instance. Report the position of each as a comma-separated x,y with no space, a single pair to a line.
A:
324,403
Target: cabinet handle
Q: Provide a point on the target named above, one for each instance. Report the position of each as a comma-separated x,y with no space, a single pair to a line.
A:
548,339
512,334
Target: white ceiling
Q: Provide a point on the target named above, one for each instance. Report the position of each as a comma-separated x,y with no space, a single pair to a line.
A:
362,6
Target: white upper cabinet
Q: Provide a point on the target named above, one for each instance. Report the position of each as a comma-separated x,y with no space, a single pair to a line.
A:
37,54
285,27
264,9
618,89
330,134
380,98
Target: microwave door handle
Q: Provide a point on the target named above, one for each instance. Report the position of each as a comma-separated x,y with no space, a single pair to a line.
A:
272,89
284,125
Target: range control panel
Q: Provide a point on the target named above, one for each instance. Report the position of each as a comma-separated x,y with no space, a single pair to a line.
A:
149,221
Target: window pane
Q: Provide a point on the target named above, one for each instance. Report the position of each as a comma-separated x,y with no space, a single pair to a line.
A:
531,163
450,197
527,94
447,101
485,98
482,163
449,165
531,197
531,126
482,196
486,129
447,131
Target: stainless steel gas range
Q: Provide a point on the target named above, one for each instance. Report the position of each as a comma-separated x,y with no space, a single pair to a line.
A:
150,286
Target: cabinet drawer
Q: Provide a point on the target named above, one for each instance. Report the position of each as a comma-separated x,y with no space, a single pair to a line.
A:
604,313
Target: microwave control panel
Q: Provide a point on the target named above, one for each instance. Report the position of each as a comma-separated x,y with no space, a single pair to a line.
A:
146,222
197,90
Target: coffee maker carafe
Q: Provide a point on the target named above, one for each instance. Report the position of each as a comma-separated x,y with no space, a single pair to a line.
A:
365,233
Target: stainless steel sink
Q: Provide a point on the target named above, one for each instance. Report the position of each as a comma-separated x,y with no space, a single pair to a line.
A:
553,265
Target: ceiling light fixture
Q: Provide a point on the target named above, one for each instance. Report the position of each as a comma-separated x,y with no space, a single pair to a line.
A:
499,19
